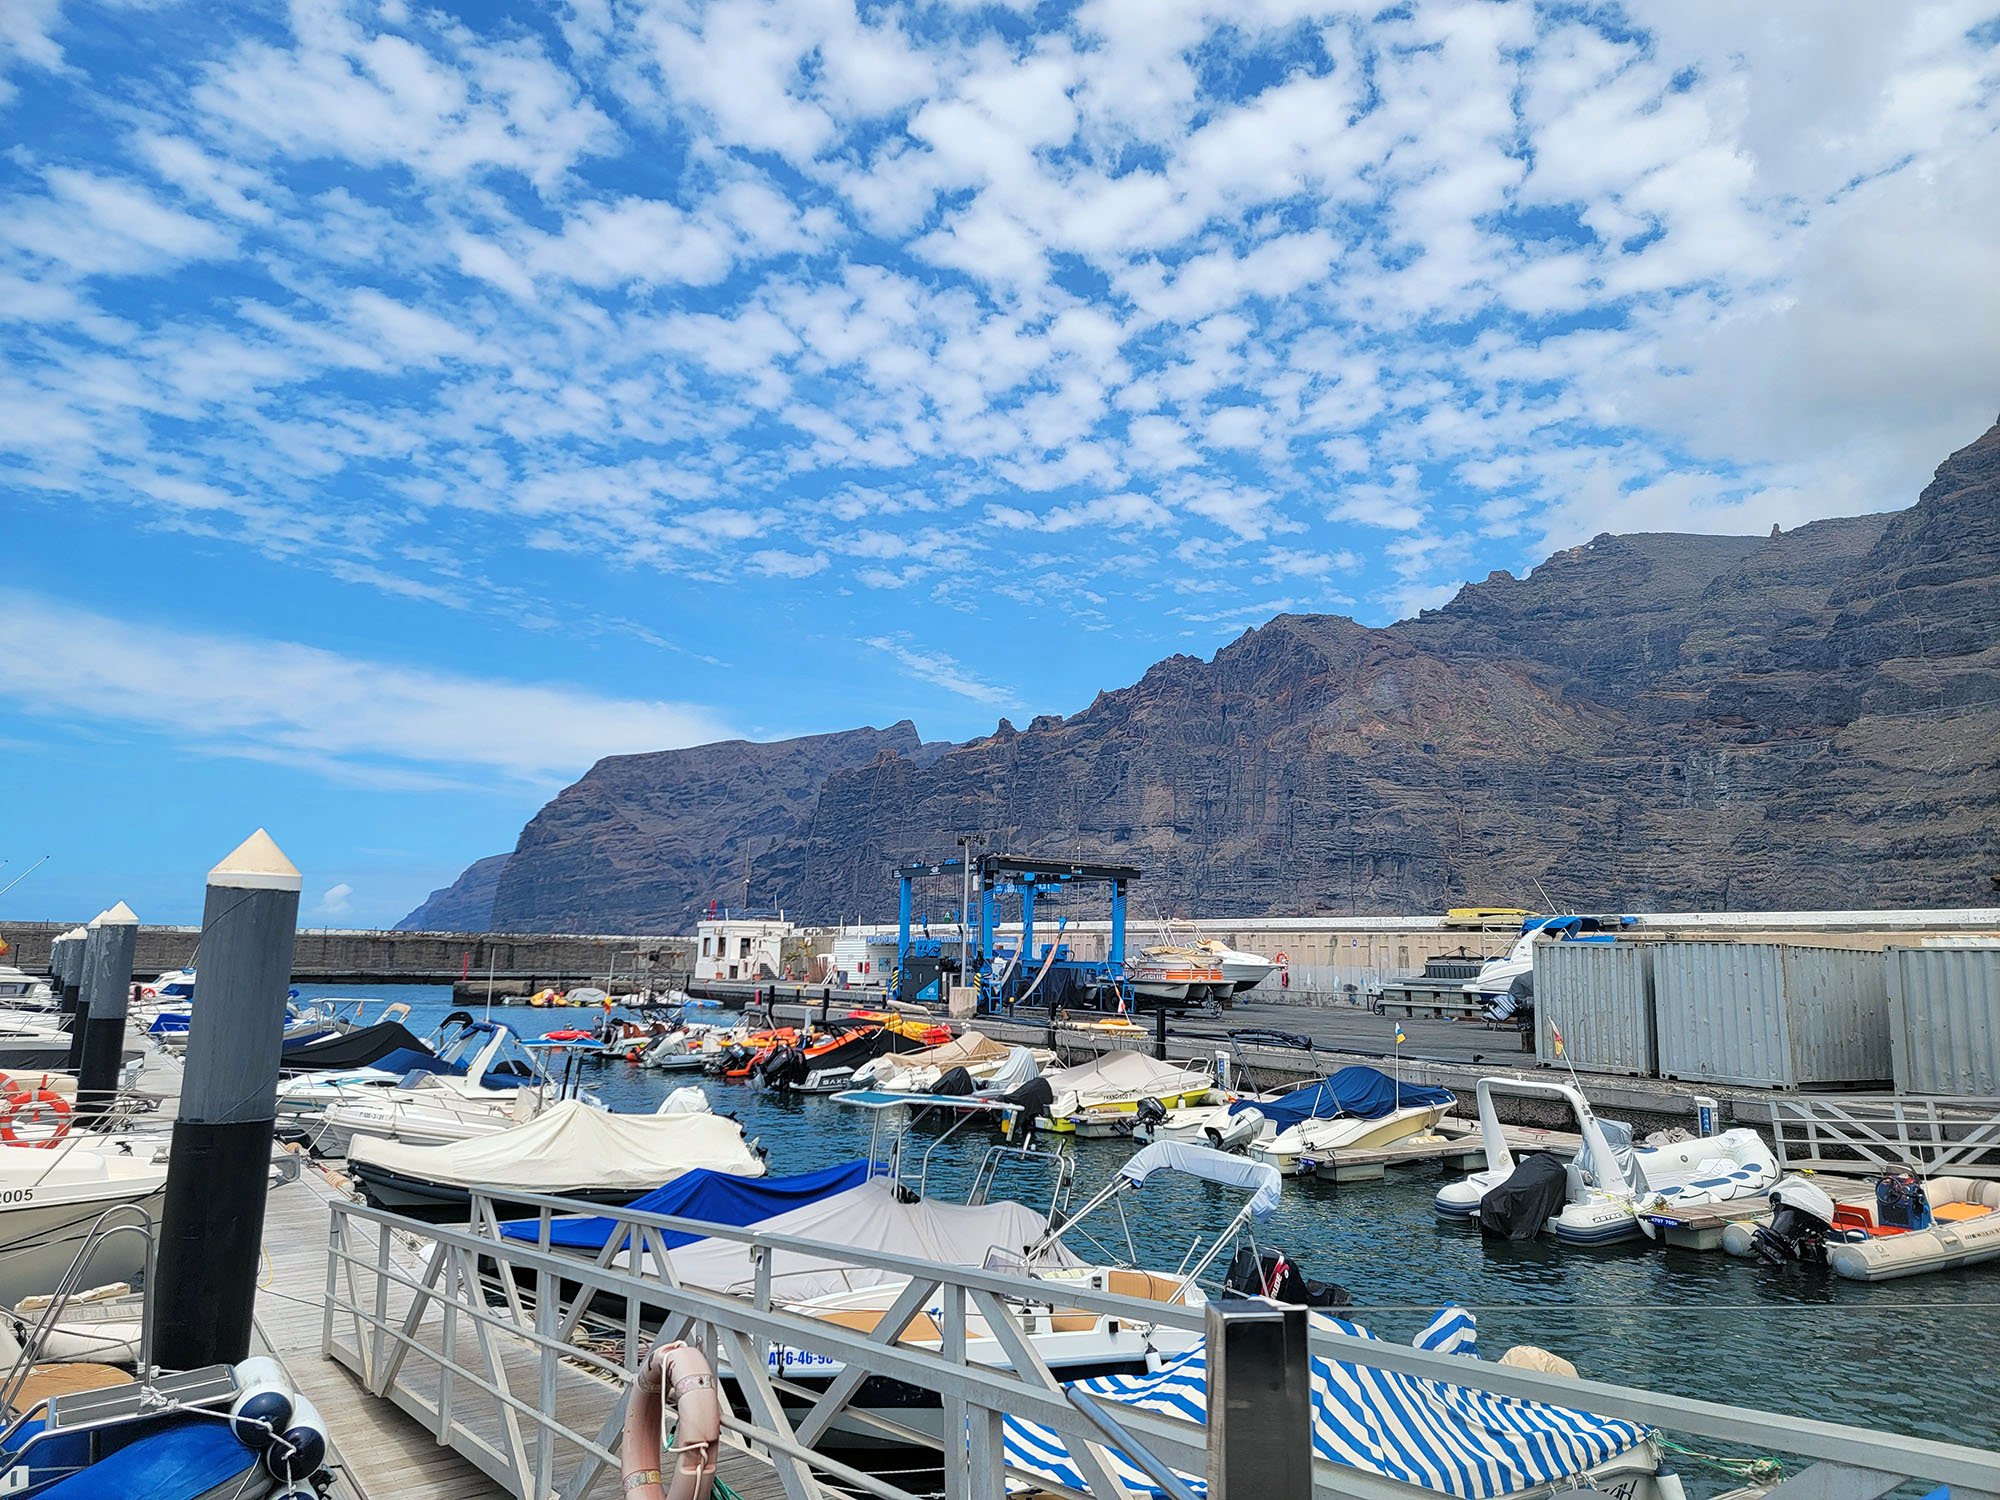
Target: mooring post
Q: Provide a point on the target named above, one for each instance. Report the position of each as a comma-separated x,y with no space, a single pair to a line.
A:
58,962
107,993
205,1286
1160,1032
74,1001
1259,1402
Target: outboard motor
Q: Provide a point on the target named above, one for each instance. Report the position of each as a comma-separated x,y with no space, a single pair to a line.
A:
1273,1274
1535,1193
1801,1218
785,1068
1150,1113
1033,1099
1238,1133
957,1083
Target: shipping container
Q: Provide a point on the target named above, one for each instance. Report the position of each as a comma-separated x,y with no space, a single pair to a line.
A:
1944,1020
1600,997
1771,1015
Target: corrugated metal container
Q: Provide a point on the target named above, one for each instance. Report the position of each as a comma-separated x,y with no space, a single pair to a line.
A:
1944,1020
1771,1015
1600,996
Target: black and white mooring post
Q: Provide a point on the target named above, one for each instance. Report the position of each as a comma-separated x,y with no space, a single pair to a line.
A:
107,994
1259,1402
58,958
204,1289
73,943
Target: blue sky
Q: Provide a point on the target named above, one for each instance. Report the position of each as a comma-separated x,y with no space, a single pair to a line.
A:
401,407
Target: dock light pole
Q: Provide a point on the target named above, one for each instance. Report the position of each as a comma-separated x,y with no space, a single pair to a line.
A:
107,993
204,1289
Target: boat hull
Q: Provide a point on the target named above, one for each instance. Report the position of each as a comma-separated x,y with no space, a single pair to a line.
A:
40,1237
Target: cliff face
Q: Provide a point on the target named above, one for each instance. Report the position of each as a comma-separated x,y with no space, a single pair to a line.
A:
466,905
1648,721
643,840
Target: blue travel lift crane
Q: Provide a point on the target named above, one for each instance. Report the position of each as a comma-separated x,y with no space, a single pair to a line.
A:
925,965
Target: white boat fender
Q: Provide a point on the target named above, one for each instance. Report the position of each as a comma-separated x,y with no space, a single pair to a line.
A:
299,1452
263,1405
679,1374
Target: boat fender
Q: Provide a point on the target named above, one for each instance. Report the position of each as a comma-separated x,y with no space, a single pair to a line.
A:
263,1405
680,1376
1668,1483
34,1107
299,1451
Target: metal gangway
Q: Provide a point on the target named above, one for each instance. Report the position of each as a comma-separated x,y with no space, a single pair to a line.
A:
488,1343
1860,1133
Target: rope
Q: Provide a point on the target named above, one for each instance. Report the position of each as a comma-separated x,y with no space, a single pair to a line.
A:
1763,1469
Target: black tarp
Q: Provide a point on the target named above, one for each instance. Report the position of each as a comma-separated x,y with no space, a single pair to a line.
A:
362,1047
1519,1207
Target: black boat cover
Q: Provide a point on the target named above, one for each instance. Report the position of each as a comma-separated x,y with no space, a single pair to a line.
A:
955,1084
1033,1099
1519,1207
363,1047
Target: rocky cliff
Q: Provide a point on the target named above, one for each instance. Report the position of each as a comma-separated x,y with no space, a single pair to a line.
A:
1653,721
466,905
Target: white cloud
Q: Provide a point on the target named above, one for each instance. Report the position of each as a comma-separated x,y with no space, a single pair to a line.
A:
343,717
940,670
336,900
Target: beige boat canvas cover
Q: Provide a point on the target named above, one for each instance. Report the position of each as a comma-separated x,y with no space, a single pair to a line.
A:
1121,1076
870,1217
571,1146
960,1052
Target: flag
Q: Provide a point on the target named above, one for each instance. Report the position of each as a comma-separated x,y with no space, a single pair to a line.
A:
1400,1038
1555,1033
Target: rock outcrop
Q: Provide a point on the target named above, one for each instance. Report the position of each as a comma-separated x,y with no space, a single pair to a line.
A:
1656,721
466,905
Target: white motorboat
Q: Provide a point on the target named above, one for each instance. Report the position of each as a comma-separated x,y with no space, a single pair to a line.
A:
30,1044
570,1149
985,1061
1100,1098
1240,970
1169,974
483,1056
173,987
432,1111
50,1197
22,991
1604,1194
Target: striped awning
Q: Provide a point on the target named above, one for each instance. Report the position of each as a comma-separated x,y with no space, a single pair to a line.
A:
1454,1439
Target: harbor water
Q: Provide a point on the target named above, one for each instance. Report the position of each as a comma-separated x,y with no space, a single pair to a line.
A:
1915,1356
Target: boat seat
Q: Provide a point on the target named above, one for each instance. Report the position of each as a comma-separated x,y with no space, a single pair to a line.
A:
1143,1284
1957,1213
1071,1320
867,1319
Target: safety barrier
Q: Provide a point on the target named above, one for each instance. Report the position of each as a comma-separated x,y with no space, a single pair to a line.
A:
1931,1135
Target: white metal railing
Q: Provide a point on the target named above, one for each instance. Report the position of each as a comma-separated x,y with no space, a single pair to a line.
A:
477,1337
1934,1136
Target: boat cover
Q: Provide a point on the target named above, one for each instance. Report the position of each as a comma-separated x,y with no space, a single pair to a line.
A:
193,1458
959,1052
712,1197
1532,1194
1124,1075
570,1146
1358,1093
1258,1178
1450,1439
874,1216
1020,1068
363,1047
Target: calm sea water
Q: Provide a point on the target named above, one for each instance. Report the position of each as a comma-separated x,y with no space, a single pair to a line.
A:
1920,1356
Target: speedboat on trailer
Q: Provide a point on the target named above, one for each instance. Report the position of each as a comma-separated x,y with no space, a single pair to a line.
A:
1603,1195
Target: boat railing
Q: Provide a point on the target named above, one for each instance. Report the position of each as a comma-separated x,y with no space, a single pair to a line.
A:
1933,1135
119,1219
507,1382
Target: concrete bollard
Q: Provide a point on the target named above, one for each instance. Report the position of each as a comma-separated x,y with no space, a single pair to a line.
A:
107,992
1259,1402
204,1289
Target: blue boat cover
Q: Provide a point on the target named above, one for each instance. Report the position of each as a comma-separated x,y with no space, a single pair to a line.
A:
1358,1093
1454,1439
182,1459
705,1194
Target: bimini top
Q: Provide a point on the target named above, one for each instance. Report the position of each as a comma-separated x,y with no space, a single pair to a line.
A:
1358,1093
710,1196
568,1147
1448,1439
1259,1179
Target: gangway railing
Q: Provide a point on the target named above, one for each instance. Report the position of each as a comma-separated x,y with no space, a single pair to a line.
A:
481,1338
1935,1136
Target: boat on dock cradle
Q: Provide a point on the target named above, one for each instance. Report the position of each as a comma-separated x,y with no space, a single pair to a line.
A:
570,1150
1906,1227
1602,1196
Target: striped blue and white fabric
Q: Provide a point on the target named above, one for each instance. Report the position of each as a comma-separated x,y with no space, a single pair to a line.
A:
1430,1433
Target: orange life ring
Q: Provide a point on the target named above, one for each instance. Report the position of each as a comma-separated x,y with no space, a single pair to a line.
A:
1280,960
35,1104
